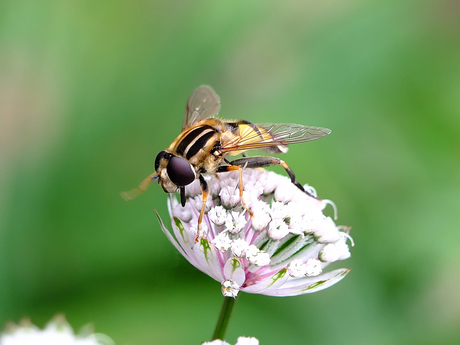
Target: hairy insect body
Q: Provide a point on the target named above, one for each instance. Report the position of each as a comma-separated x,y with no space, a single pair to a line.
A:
201,144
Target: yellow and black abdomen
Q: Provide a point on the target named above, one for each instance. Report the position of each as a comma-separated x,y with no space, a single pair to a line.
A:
249,136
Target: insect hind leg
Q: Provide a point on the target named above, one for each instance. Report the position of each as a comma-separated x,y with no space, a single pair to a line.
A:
262,161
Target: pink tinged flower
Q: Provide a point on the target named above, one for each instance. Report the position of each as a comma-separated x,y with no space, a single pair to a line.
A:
282,250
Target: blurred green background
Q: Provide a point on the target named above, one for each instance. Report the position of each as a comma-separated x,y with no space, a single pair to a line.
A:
91,91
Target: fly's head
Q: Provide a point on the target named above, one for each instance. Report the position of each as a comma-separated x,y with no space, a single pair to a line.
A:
173,173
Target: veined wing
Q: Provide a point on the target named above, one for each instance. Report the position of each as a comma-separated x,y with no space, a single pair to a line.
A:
272,135
202,104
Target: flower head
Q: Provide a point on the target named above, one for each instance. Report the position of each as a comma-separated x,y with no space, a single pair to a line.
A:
56,332
282,250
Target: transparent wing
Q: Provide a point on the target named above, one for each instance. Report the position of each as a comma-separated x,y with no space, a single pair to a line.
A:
272,135
202,104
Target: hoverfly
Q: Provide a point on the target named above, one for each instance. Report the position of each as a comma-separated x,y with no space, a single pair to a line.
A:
206,142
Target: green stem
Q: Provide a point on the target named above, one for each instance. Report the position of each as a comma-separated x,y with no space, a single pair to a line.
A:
224,318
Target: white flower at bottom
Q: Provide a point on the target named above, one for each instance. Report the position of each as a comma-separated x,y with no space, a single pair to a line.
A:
240,341
56,332
247,341
282,253
215,342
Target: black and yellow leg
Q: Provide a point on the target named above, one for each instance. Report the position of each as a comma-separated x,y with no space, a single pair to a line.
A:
204,190
226,168
259,162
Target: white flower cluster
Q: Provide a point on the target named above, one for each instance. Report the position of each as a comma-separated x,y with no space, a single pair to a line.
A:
281,250
56,332
240,247
240,341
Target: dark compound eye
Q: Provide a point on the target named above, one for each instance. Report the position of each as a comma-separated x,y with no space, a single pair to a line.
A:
158,159
180,171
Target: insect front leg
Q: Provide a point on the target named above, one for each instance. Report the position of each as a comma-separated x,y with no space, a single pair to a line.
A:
262,161
204,191
225,168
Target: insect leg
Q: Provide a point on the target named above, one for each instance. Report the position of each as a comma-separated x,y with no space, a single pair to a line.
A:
225,168
204,190
259,162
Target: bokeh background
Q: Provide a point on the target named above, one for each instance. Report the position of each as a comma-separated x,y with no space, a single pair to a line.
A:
91,91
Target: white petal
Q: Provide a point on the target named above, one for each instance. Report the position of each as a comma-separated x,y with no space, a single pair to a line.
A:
208,259
269,283
300,249
305,285
183,213
169,236
184,237
234,270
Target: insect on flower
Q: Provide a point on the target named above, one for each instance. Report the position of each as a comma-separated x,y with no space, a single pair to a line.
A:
206,142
